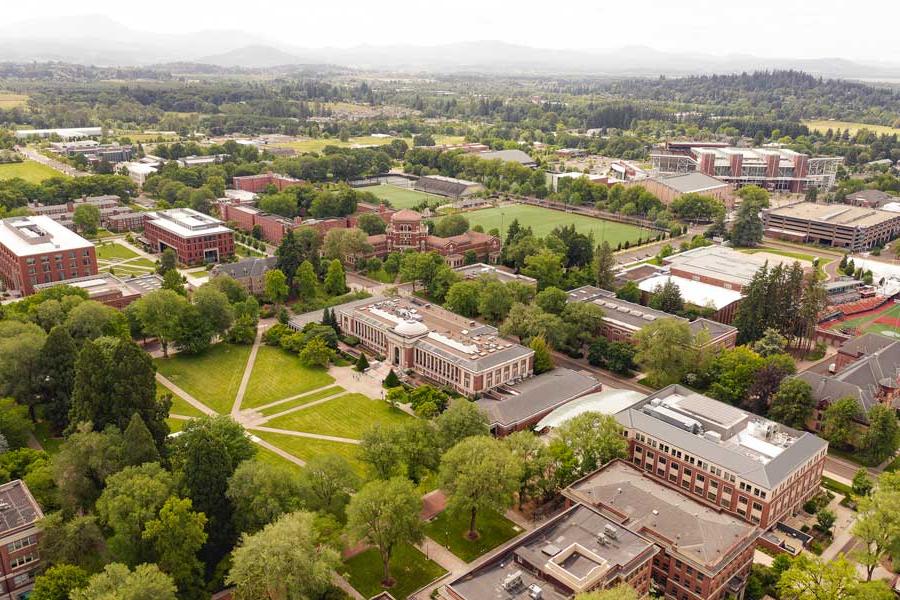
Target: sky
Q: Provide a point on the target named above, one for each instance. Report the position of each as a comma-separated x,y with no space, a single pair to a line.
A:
858,29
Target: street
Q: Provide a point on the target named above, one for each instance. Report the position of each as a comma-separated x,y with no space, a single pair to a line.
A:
53,164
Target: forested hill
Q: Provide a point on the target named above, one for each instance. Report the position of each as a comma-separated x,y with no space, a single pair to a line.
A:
791,95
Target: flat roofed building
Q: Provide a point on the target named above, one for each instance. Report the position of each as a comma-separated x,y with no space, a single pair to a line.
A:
705,552
70,133
669,188
838,225
578,551
19,537
37,249
623,319
515,155
501,274
724,266
195,237
521,405
436,344
259,183
869,198
704,295
113,291
756,469
272,227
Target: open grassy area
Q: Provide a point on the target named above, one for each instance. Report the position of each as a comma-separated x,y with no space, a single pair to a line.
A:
449,529
44,435
176,425
409,568
305,399
264,455
127,269
544,220
318,144
824,125
345,416
180,406
113,251
308,448
278,374
30,171
401,197
11,100
785,253
870,323
212,378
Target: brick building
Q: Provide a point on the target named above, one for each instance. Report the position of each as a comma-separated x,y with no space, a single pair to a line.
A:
113,213
436,344
19,535
245,218
196,238
37,250
839,226
703,552
671,187
727,458
258,183
249,272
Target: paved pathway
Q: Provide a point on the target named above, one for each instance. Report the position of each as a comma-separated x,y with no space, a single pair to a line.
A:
253,417
187,397
273,448
248,370
344,585
441,555
315,436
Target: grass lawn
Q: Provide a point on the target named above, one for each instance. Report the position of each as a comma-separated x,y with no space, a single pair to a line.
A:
278,374
868,323
409,568
113,251
30,171
401,197
176,425
50,444
450,530
264,455
128,269
318,144
785,253
180,406
11,100
824,125
212,378
308,448
311,397
544,220
345,416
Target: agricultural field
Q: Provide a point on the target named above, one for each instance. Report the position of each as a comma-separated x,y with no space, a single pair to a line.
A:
824,125
30,171
11,100
402,197
544,220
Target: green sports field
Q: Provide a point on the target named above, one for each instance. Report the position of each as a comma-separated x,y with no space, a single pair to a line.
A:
401,197
886,322
28,170
544,220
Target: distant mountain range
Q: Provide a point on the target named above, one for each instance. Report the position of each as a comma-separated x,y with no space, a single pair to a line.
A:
101,41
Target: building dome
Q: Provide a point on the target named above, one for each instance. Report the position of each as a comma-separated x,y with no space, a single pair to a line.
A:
410,328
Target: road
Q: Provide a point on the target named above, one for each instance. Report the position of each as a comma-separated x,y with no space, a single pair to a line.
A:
53,164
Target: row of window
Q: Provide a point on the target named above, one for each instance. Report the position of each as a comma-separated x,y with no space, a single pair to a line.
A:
21,543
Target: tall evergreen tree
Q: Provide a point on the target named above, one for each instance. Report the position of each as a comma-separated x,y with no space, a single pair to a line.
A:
138,446
56,373
750,319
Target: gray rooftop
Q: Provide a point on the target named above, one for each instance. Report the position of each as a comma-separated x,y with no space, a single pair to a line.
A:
692,183
494,272
568,554
689,529
17,507
535,395
752,448
508,155
868,343
248,267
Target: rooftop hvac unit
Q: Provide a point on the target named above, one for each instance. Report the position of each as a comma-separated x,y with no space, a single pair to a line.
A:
611,531
713,436
513,581
602,539
535,592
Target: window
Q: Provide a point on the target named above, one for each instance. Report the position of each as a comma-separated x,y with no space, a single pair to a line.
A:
21,543
21,561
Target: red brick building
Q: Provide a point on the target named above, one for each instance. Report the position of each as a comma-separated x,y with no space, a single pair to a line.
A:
245,218
19,535
196,238
37,249
258,183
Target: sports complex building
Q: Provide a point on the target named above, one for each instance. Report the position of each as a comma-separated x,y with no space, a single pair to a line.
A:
855,228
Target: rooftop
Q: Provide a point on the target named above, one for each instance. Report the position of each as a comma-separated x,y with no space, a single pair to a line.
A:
572,553
509,156
726,264
692,182
494,272
835,214
608,402
511,404
18,507
446,179
248,267
450,336
694,292
186,222
705,536
38,234
749,446
103,284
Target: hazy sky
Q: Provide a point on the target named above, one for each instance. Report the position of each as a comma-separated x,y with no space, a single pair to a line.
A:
858,29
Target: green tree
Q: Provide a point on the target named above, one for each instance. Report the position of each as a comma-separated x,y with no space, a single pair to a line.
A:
260,493
285,560
21,345
531,454
77,541
793,403
813,579
335,279
275,287
176,537
385,513
362,363
748,226
838,425
214,308
546,266
56,376
543,358
419,450
160,314
495,301
461,420
552,300
585,442
877,526
862,483
881,438
90,320
623,591
15,426
604,266
629,292
586,321
667,298
82,465
463,298
168,261
825,520
664,350
451,225
371,223
479,473
87,218
326,484
173,280
132,498
306,282
316,353
732,372
379,448
57,582
391,381
770,343
118,582
138,446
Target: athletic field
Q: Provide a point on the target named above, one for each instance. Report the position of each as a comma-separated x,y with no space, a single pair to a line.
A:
886,321
28,170
401,197
544,220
